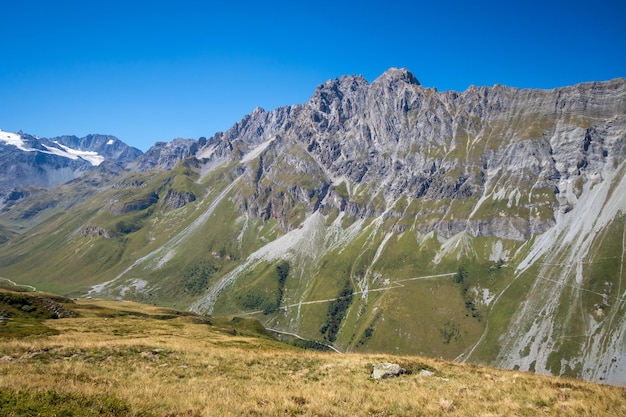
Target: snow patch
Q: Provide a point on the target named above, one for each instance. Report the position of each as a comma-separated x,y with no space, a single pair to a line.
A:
110,142
90,156
13,139
16,140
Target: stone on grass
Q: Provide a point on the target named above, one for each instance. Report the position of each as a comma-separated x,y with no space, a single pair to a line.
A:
387,370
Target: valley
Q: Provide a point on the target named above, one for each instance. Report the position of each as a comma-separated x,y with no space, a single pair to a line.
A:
486,226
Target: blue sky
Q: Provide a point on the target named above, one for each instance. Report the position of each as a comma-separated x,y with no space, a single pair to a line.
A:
153,71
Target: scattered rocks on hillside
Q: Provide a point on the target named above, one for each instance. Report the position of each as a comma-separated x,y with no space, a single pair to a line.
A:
54,309
387,370
97,231
153,355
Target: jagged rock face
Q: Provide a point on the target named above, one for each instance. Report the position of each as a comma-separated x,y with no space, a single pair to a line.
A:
141,202
489,162
97,231
394,138
178,199
164,155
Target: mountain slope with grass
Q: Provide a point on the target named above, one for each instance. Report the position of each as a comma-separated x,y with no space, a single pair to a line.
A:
111,358
484,226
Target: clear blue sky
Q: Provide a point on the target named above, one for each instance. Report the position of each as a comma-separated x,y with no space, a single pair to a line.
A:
153,71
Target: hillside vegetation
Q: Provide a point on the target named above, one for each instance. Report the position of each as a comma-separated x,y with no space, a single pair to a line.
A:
60,357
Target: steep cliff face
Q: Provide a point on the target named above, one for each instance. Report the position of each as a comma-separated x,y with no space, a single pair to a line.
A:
395,139
487,225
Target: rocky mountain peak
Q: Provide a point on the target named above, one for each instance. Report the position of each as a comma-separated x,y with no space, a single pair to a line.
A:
328,96
397,76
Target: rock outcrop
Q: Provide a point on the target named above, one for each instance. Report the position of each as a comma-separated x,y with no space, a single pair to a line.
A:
164,155
178,199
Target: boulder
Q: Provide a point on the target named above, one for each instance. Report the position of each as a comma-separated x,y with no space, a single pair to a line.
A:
387,370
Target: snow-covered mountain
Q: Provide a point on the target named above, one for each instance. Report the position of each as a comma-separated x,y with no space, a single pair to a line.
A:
27,160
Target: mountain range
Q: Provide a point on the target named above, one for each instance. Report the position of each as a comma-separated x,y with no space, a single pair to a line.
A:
484,226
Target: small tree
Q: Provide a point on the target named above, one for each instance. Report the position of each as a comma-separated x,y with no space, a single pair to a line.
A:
460,275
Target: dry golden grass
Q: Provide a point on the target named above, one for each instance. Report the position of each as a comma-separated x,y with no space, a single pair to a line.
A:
169,366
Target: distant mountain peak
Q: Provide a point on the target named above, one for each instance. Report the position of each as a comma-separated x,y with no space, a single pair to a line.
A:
14,139
28,160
